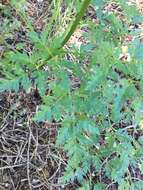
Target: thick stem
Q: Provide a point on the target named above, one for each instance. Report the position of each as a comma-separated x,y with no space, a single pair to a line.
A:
79,16
76,21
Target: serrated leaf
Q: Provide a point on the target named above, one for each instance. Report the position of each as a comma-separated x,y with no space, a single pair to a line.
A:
26,83
44,114
99,186
10,85
41,81
124,185
88,127
139,51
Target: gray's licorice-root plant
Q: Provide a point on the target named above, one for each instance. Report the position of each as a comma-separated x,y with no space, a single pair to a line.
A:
101,126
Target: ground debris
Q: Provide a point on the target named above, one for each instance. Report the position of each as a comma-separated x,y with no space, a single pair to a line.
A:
28,156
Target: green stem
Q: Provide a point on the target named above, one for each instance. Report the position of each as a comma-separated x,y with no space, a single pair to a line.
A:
76,22
79,16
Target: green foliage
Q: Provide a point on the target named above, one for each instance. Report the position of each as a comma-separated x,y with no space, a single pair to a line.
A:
100,114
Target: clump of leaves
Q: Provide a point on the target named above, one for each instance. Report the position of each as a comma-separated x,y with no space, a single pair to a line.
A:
101,118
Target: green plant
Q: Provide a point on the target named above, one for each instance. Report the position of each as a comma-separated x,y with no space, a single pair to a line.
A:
100,119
